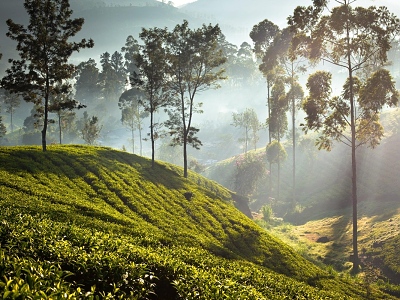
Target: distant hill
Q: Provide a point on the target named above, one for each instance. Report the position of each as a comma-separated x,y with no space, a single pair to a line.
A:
107,24
94,222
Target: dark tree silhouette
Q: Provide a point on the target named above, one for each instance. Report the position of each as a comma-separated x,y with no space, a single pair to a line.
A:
44,51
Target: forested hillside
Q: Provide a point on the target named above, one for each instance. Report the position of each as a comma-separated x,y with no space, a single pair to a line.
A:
86,221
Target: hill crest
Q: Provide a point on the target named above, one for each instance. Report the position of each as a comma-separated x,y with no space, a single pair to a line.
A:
77,210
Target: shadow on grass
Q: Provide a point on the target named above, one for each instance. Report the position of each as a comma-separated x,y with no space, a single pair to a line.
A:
77,160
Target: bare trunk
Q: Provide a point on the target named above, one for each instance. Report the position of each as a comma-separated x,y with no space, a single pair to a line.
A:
293,138
355,259
46,113
59,127
152,137
133,139
246,140
185,135
185,163
279,161
11,120
354,178
269,135
140,139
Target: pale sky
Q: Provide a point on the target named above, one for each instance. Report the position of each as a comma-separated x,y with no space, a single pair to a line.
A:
389,3
179,2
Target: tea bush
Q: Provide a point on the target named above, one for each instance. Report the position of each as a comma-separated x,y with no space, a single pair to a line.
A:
81,222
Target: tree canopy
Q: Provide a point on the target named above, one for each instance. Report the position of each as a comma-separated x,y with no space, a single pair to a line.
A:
44,50
195,59
353,38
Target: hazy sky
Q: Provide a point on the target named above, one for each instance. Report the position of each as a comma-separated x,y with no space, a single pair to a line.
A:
181,2
388,3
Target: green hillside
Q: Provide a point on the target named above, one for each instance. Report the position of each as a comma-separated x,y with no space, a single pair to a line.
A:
323,203
90,223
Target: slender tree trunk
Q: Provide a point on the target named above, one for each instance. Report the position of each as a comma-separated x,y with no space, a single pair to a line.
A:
279,161
139,127
185,163
353,159
140,140
185,135
152,136
246,139
133,140
269,108
269,134
132,127
11,120
59,127
293,138
354,178
46,113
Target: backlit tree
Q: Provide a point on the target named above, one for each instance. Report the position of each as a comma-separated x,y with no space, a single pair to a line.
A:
194,65
353,38
11,102
44,50
151,77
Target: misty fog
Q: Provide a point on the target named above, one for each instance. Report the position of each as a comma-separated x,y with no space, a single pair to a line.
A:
109,23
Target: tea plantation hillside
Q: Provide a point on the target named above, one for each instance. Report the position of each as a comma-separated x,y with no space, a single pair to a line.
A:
82,222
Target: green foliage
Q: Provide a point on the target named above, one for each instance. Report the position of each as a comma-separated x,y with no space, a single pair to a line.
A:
3,129
250,169
11,102
194,61
267,213
248,120
44,52
390,254
90,128
357,39
275,152
83,222
87,87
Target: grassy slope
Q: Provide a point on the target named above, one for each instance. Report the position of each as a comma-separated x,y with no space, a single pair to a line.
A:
324,193
86,221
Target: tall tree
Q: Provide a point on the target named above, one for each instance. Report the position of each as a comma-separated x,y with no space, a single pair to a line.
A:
130,50
11,102
275,154
118,66
263,35
30,127
281,52
278,122
3,129
87,86
230,51
151,77
44,52
133,113
248,120
63,104
194,61
352,38
112,76
90,129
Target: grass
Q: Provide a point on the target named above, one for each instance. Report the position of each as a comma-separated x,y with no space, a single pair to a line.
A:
83,222
324,197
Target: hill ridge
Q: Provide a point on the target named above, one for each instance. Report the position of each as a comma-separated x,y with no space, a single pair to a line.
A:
79,210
